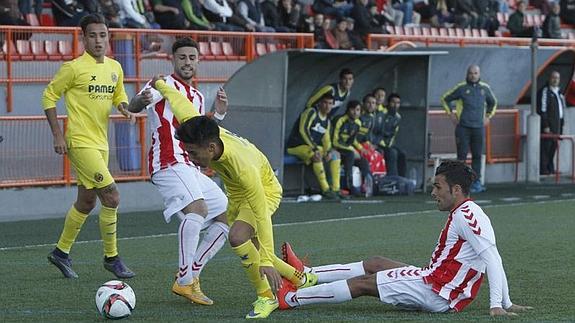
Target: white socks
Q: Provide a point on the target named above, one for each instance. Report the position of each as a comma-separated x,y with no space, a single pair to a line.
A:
214,239
336,292
331,273
188,237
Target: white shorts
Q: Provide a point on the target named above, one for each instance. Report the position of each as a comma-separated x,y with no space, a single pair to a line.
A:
405,288
181,185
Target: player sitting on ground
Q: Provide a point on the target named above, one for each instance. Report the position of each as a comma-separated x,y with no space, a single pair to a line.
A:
465,250
254,194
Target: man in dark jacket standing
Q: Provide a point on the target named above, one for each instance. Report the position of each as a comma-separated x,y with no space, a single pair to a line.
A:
475,105
551,106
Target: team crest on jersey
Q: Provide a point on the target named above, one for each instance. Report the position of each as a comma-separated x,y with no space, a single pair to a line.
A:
482,91
114,77
467,92
98,177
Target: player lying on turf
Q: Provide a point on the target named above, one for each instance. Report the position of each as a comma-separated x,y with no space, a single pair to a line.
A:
254,194
465,251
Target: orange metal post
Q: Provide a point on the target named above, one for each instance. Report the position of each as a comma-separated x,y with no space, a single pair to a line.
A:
488,144
9,70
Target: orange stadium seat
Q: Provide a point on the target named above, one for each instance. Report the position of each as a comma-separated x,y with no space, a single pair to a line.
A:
425,31
261,49
528,20
272,47
467,33
38,50
399,30
51,47
65,48
538,20
390,29
216,49
23,49
475,33
408,31
228,51
483,33
13,53
417,31
205,52
443,32
434,31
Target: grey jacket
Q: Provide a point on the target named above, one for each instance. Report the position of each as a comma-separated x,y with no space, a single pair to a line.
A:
473,102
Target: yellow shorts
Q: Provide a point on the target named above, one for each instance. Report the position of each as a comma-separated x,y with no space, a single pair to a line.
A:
304,152
242,211
91,166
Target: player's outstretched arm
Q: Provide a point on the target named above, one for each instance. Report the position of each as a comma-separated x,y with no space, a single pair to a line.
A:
221,104
140,101
123,109
182,108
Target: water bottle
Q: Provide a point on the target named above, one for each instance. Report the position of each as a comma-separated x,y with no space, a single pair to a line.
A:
413,176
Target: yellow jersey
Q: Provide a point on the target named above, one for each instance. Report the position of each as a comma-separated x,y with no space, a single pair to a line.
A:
244,169
90,90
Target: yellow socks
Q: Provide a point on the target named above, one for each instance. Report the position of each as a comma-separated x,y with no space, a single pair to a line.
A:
72,226
335,167
250,258
320,175
108,223
288,271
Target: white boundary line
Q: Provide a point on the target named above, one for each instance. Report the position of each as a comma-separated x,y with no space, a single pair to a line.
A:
364,217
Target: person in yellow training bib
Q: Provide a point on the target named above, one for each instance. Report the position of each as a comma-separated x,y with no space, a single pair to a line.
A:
254,194
91,84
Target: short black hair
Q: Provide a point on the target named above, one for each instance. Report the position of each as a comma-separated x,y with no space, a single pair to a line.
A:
367,96
352,104
377,89
184,42
345,72
456,172
327,95
199,130
93,18
392,96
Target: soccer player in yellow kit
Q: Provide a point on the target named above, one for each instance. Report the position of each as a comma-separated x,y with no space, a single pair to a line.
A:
254,194
91,83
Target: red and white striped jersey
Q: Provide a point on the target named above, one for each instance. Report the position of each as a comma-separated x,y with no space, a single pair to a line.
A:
456,269
165,149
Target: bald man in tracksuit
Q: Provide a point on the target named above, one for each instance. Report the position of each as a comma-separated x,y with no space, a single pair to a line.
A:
475,105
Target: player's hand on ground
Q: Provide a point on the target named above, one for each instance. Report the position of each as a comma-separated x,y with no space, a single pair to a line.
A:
156,78
60,145
519,308
274,278
498,311
221,103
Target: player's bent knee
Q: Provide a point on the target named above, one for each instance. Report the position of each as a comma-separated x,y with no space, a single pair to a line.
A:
85,206
198,207
109,196
365,285
238,236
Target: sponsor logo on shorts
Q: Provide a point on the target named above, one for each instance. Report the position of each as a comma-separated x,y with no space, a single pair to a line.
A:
98,177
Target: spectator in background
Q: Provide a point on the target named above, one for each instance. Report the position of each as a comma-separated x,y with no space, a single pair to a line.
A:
515,22
169,14
344,138
10,14
552,24
111,12
385,8
222,14
333,8
328,34
385,129
195,14
339,91
409,15
310,141
568,11
476,104
465,14
251,11
67,13
130,14
551,107
290,14
365,22
442,13
355,37
26,7
342,35
273,17
367,119
487,19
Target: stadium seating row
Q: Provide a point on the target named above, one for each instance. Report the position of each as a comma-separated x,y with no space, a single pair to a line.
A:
432,31
41,50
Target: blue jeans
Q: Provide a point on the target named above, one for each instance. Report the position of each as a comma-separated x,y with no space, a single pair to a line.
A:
466,138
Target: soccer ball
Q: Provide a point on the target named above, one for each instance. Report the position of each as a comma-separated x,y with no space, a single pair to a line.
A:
115,299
